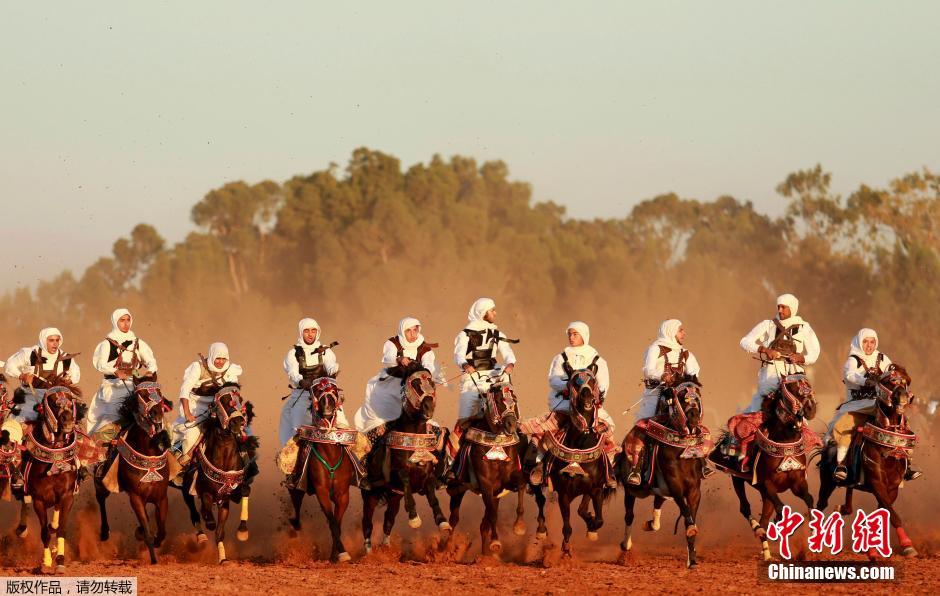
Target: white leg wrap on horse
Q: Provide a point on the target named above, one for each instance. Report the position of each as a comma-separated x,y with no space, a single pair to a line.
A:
28,499
55,519
221,552
60,546
244,512
46,557
841,452
657,514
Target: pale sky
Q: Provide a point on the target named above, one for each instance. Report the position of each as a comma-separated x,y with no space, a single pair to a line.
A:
116,113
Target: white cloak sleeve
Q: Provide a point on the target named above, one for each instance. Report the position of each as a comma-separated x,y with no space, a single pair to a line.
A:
18,364
291,367
330,363
652,364
146,354
853,373
100,358
389,354
756,337
75,371
505,351
557,379
810,344
190,380
691,365
603,376
460,349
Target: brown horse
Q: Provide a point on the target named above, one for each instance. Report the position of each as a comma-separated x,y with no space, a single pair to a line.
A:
50,467
679,445
409,459
217,474
490,463
139,463
576,463
778,458
883,445
325,465
11,456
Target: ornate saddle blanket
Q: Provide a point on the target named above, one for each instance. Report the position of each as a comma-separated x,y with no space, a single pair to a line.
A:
740,448
896,444
549,429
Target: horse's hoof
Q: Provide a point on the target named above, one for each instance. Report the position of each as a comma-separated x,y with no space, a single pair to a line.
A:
760,532
444,527
496,546
223,561
344,557
908,551
105,536
541,535
201,538
691,531
648,526
242,535
692,565
22,531
626,546
386,540
765,551
139,533
592,536
518,528
368,546
415,522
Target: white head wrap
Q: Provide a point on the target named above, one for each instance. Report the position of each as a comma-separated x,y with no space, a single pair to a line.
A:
794,304
116,334
308,323
475,316
218,350
667,334
408,323
857,350
585,351
47,332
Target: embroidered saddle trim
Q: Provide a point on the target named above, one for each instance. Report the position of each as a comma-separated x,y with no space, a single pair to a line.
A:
62,459
414,441
488,439
228,480
902,443
322,434
572,456
145,463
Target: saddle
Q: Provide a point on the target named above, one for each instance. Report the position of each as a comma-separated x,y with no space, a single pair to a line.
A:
898,444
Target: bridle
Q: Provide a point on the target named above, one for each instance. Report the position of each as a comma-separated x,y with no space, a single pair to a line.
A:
325,390
149,399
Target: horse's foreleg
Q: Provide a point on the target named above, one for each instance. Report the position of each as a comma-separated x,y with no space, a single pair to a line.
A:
220,530
693,498
628,502
677,490
368,510
846,508
22,530
140,510
435,504
242,534
564,505
194,518
40,508
587,516
341,500
491,543
391,510
101,495
414,520
161,512
456,498
297,500
826,487
207,517
767,513
597,499
654,524
326,505
542,531
886,497
518,527
61,518
744,506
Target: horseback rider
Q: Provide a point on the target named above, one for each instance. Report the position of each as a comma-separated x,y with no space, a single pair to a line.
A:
863,368
665,364
305,362
476,349
201,381
120,357
402,355
37,367
784,345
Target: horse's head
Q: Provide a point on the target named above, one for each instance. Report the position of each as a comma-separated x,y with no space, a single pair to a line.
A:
584,397
149,407
228,409
794,401
501,408
59,412
326,398
419,395
893,393
684,407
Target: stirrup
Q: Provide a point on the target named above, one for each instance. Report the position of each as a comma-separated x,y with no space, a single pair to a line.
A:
633,479
707,471
536,477
912,473
840,473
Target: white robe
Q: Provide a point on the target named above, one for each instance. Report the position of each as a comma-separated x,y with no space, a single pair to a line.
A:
187,432
558,380
18,364
383,392
853,376
111,394
470,404
768,377
296,409
653,367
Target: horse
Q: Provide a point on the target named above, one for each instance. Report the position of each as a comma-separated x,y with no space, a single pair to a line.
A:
217,474
11,457
883,446
325,466
492,458
678,445
780,455
51,463
576,462
139,463
409,459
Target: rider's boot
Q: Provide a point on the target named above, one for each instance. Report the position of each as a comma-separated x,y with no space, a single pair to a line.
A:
913,472
455,444
841,472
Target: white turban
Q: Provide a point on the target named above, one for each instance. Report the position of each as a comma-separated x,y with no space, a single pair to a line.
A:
857,350
218,350
408,323
667,334
475,316
116,334
790,301
304,324
585,350
45,334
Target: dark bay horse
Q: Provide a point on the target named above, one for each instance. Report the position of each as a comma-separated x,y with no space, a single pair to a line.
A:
679,445
139,463
50,466
491,463
781,442
325,466
408,460
11,456
576,462
217,474
884,445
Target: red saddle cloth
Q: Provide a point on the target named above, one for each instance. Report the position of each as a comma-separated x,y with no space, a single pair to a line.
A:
744,428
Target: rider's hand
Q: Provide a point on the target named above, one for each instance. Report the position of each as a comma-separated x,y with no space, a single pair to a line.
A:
796,358
306,383
508,368
190,417
404,361
27,378
467,368
668,377
770,353
121,374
